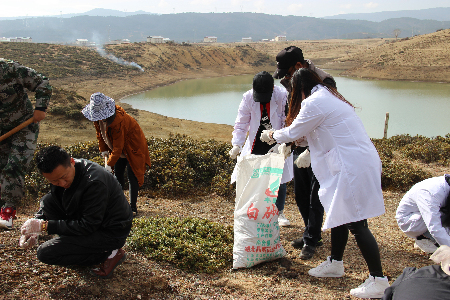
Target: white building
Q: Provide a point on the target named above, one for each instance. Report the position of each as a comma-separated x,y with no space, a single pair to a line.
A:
82,42
247,40
280,38
155,39
17,39
210,39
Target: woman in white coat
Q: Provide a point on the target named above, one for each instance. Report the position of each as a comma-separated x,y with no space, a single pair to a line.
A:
423,213
262,107
347,167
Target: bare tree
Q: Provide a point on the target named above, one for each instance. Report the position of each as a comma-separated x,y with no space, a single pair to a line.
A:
397,32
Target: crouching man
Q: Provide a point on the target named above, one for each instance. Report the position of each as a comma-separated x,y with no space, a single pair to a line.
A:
86,209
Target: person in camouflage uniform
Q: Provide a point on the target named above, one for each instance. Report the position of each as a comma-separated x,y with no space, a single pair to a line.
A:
17,150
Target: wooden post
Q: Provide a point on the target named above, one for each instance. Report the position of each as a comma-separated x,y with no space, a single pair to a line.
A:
386,121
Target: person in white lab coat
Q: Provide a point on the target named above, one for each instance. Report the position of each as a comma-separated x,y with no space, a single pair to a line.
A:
262,107
348,169
423,213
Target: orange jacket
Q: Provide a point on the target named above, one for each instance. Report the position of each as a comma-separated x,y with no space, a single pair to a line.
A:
127,137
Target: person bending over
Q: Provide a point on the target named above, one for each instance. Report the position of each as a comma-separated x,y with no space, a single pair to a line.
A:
87,210
348,168
424,213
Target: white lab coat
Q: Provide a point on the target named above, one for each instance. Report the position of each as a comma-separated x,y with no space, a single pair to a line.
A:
248,120
418,211
343,158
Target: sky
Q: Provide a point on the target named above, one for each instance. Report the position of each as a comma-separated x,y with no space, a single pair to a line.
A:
309,8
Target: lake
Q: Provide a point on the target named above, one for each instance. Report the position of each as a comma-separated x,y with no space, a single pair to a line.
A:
414,107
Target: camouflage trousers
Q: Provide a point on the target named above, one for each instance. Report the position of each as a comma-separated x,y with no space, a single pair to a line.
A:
16,153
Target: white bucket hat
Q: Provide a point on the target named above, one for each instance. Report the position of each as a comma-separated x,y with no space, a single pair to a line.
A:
442,256
100,107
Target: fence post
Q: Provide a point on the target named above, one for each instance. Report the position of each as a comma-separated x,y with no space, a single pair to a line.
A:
386,121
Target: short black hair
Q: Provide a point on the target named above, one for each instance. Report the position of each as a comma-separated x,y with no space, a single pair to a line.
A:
49,158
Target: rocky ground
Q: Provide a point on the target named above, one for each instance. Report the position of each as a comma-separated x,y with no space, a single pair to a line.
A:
24,277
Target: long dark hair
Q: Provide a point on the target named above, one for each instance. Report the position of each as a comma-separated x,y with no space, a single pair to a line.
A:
304,80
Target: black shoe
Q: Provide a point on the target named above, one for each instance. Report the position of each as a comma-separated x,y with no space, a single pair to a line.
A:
307,252
298,243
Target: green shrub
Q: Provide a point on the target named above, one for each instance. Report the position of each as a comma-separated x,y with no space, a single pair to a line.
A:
192,244
183,166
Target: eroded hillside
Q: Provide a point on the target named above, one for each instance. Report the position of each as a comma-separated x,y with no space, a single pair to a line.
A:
421,58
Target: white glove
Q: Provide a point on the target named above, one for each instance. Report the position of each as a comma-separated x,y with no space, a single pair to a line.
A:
285,150
31,226
442,256
108,168
265,137
274,149
105,154
28,240
303,160
281,149
234,151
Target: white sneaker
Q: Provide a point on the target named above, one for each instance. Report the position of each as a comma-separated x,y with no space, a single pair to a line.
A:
329,268
282,220
7,215
425,245
373,287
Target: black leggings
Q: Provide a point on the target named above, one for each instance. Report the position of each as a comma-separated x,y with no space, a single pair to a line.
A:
366,243
119,170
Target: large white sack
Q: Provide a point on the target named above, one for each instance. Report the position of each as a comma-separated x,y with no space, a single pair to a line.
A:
256,229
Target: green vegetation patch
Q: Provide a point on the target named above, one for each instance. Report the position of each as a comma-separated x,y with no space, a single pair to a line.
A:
192,244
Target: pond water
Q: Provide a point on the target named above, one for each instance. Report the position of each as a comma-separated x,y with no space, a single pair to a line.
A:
414,107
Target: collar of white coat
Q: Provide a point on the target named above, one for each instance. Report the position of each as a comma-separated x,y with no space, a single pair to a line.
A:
315,88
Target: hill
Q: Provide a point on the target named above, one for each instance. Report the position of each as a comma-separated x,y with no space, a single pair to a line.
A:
192,27
421,58
438,14
77,72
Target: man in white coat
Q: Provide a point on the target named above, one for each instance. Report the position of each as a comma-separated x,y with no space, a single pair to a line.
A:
423,213
262,107
306,186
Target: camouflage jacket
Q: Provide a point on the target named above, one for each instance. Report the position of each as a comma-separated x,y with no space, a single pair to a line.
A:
15,80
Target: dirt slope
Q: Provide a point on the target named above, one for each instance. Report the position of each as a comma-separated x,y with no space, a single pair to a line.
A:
421,58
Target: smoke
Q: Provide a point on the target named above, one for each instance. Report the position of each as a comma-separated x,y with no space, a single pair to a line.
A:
117,60
97,38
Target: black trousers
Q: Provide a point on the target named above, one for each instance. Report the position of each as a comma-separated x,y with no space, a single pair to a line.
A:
364,239
306,188
119,170
82,250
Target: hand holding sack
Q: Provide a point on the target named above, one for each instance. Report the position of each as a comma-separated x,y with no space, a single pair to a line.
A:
234,151
281,149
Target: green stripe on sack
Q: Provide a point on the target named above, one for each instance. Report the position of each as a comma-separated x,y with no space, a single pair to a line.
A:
266,171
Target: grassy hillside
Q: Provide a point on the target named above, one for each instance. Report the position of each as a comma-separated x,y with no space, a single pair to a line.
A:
421,58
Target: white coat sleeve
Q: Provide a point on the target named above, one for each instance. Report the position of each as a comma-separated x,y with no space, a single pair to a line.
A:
242,122
429,209
308,118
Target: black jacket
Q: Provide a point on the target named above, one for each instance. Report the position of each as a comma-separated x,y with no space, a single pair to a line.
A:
94,201
426,283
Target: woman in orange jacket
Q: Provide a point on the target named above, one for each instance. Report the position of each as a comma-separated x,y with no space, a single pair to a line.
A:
121,141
